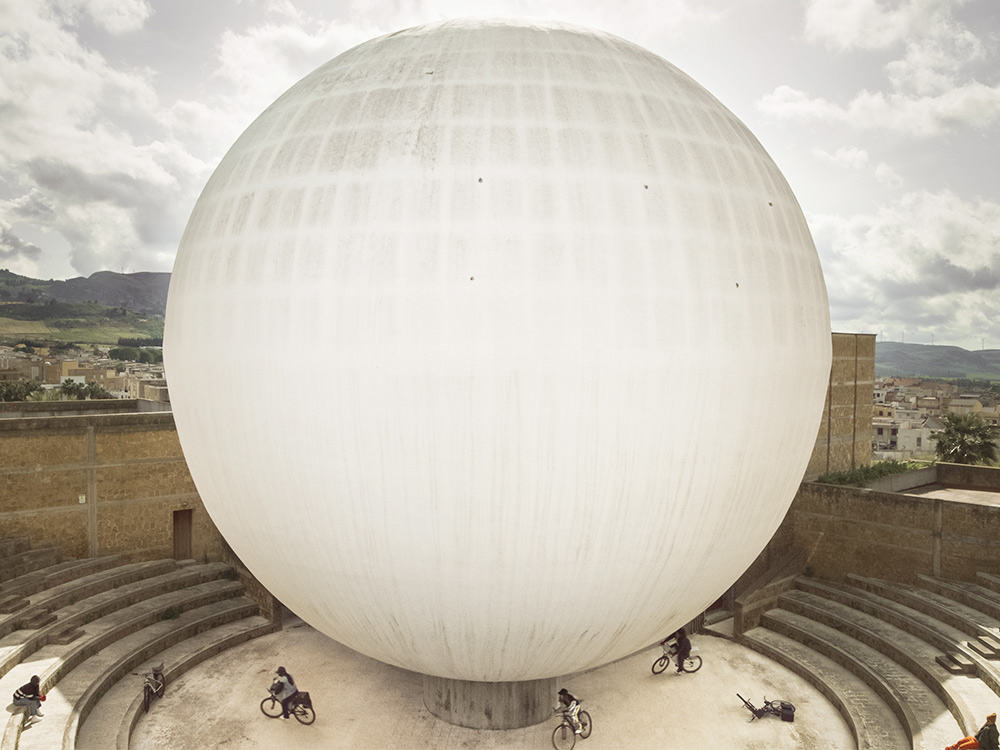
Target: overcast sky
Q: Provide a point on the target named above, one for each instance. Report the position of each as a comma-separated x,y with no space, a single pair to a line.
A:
884,116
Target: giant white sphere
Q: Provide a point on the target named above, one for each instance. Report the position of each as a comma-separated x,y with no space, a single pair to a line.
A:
497,349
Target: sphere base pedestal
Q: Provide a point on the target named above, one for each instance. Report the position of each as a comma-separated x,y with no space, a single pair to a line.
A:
490,705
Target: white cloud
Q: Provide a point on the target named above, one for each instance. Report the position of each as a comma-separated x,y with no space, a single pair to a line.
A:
974,105
872,24
846,157
64,149
932,63
929,263
887,176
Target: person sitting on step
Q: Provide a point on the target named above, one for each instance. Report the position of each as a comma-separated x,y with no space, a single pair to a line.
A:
30,695
987,738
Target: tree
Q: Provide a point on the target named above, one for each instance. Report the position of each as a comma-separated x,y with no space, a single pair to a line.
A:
17,390
966,439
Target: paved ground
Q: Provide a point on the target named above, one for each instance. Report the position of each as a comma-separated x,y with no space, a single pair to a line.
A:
361,704
956,494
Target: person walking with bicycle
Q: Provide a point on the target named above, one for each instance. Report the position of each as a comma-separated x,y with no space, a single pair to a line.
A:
284,689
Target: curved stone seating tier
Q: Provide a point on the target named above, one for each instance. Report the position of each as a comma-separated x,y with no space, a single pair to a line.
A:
42,605
74,684
112,719
968,594
926,719
19,644
970,621
14,593
909,652
28,560
13,545
956,654
873,724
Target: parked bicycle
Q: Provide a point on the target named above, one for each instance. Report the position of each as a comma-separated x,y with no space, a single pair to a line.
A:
782,709
300,706
563,737
691,664
153,684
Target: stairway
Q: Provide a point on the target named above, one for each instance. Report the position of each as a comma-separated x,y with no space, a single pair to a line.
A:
908,665
85,626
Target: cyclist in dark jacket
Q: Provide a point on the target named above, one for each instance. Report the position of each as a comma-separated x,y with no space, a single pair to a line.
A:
683,648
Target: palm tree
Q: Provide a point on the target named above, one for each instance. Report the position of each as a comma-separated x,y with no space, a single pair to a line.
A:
966,439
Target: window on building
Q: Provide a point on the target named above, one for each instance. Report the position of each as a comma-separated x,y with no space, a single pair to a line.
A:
879,430
894,431
919,441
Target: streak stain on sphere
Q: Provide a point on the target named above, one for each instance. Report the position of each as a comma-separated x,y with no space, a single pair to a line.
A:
497,349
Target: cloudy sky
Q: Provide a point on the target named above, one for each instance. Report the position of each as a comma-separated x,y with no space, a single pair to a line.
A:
884,116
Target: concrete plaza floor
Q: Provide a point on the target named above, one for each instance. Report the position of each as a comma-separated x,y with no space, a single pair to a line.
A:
361,703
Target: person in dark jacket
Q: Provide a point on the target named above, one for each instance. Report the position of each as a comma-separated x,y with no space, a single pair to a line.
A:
30,695
683,648
987,738
284,690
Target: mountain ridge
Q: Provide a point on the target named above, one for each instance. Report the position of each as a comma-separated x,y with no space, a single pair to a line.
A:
935,361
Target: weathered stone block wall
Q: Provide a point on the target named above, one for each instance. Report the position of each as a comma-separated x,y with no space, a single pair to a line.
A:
843,530
98,484
844,438
972,477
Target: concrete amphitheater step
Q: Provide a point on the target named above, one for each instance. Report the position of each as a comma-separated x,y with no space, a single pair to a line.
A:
114,716
107,630
15,592
19,563
970,621
71,619
922,714
51,599
969,594
874,725
956,656
12,545
967,700
81,687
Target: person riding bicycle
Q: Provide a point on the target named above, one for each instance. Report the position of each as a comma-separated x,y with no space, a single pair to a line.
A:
284,690
569,706
682,649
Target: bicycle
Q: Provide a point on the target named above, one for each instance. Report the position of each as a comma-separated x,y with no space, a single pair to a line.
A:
691,664
300,707
782,709
563,737
153,684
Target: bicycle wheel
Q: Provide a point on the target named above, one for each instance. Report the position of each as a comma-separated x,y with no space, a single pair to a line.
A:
774,708
147,697
305,714
161,686
563,737
660,664
586,726
692,664
271,706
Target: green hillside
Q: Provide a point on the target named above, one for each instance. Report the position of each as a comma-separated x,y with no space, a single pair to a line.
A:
928,361
74,322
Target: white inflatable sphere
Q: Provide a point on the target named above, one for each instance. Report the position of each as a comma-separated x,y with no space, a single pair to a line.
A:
497,349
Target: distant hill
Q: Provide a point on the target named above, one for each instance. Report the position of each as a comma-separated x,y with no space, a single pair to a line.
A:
139,292
929,361
100,309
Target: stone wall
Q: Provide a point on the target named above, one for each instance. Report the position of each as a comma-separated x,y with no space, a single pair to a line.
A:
843,530
844,438
97,484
